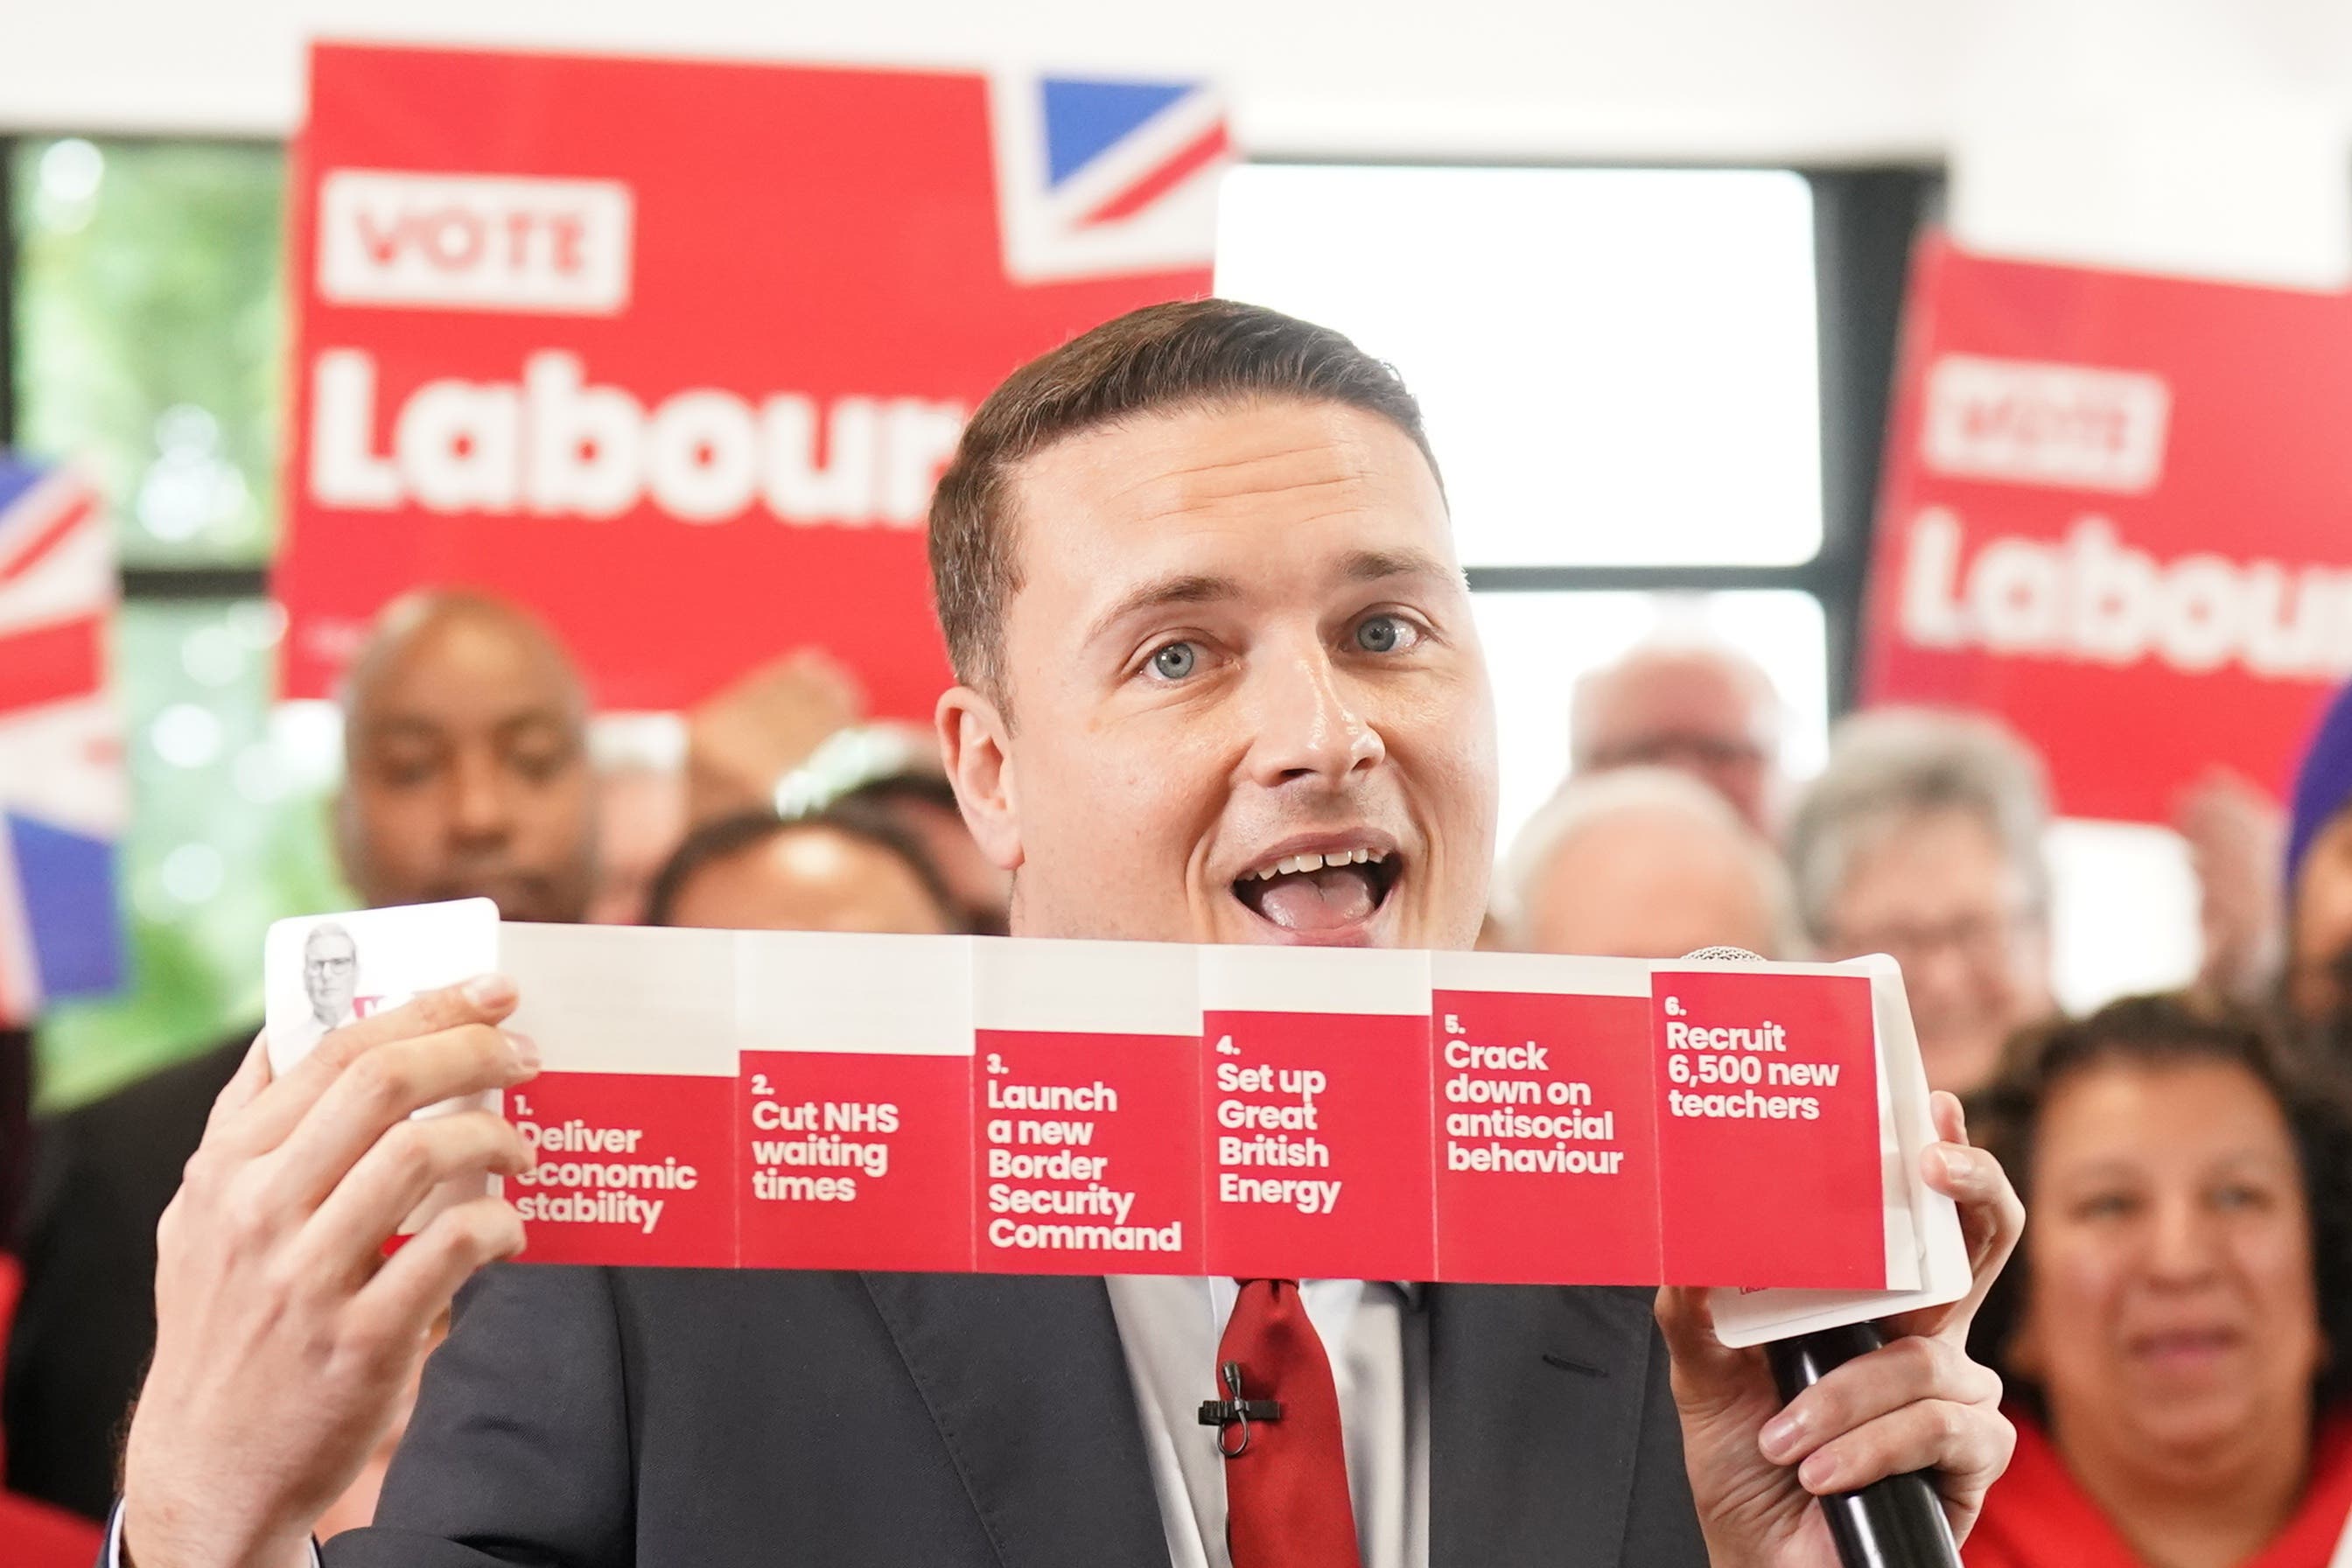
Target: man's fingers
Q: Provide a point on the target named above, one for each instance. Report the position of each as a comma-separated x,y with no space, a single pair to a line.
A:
345,1236
484,999
252,1076
274,1113
416,1284
378,1090
1950,1116
1867,1389
1686,1319
1704,1370
1968,1443
1992,1216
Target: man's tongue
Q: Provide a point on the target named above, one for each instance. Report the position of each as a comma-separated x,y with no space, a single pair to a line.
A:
1318,901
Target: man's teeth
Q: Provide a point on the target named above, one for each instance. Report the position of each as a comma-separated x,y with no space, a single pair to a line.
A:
1317,862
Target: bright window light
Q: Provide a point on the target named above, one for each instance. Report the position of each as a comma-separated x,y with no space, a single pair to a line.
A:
1537,643
1618,365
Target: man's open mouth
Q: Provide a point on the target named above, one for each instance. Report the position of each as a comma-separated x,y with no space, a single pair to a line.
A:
1321,889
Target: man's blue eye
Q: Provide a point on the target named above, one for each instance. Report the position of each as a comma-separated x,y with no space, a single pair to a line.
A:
1175,661
1384,633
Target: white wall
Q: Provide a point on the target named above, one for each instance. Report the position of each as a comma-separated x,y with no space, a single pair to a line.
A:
2209,136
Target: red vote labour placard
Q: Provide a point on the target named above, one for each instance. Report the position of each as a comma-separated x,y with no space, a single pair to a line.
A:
2117,513
673,351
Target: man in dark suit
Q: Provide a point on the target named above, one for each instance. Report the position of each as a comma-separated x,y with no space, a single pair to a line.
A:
1219,683
466,772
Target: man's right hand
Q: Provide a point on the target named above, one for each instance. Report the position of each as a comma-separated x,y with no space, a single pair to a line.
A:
285,1339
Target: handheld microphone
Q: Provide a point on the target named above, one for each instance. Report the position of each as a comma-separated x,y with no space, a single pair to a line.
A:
1895,1522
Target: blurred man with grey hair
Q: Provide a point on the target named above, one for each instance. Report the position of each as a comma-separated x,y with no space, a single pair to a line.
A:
1643,862
1691,703
1923,839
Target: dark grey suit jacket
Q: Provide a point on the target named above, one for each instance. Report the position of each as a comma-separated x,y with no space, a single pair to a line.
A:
78,1349
596,1418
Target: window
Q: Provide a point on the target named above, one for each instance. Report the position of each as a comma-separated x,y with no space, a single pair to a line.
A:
149,317
1618,366
145,335
1537,643
1620,370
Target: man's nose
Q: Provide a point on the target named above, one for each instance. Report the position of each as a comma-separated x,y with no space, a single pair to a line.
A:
1309,723
481,806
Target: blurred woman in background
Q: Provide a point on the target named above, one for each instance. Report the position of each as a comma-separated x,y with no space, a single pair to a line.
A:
1922,838
2170,1325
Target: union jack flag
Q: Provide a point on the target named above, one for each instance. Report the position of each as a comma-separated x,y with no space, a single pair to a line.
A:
63,801
1099,178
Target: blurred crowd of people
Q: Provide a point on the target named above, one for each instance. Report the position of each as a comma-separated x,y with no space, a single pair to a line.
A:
2171,1333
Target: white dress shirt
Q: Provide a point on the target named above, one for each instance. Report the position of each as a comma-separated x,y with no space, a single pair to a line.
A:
1377,1337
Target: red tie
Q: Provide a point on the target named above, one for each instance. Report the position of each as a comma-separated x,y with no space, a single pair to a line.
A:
1286,1488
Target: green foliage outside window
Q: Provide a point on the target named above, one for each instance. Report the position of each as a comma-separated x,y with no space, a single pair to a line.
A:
149,326
150,322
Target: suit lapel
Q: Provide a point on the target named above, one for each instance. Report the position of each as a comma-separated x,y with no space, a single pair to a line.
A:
1534,1415
1027,1384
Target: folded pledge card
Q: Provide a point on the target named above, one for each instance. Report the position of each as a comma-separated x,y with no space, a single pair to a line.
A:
784,1099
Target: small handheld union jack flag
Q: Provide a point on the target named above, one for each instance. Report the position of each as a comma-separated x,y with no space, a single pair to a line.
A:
63,800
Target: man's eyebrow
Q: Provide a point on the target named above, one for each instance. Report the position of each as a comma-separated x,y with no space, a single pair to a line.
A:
406,726
1181,588
1372,566
400,727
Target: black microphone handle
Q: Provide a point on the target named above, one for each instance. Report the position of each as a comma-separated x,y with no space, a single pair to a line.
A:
1897,1523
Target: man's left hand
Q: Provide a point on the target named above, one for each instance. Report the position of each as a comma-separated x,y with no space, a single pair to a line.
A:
1918,1404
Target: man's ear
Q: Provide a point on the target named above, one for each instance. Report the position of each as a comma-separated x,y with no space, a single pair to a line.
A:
977,746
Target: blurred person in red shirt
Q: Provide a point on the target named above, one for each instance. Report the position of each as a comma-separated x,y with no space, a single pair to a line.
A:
1698,705
465,775
1643,862
2171,1329
1923,839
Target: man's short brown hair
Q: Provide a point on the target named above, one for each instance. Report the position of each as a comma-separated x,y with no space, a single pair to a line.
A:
1189,354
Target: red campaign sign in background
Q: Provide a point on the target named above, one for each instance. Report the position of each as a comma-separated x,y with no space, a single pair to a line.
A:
673,351
2118,514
